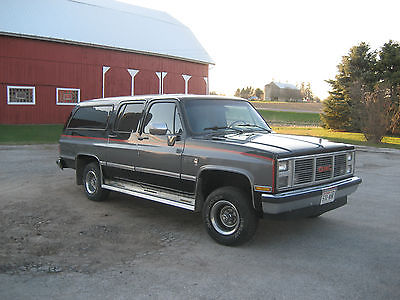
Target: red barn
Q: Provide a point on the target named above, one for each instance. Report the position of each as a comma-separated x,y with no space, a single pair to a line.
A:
54,54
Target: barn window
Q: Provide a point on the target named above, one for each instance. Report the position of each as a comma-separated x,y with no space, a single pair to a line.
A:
68,96
20,95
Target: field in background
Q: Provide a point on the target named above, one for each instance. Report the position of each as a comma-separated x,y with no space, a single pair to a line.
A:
288,106
288,118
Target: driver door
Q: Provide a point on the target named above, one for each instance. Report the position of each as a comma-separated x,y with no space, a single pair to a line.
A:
159,159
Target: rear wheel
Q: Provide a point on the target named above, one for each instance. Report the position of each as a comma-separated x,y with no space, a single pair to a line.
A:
91,179
229,217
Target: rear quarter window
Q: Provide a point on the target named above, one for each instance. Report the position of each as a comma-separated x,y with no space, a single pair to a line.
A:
129,117
91,117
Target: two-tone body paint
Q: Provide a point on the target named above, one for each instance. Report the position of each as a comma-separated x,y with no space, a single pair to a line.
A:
149,160
208,154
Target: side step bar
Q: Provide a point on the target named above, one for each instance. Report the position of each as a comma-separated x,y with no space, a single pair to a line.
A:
150,194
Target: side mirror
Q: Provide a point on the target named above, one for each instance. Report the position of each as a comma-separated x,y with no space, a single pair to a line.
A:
158,128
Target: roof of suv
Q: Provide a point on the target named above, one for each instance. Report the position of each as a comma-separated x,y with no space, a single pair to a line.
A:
117,100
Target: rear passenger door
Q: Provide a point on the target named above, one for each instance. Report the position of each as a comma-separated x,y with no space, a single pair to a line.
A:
122,142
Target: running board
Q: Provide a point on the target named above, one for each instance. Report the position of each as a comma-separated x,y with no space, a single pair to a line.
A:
150,194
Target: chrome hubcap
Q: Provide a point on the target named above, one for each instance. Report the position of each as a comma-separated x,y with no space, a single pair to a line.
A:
91,182
224,217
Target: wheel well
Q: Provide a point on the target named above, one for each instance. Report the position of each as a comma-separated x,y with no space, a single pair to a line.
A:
210,180
81,162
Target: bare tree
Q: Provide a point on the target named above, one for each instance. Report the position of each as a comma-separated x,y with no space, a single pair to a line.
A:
394,111
306,92
375,119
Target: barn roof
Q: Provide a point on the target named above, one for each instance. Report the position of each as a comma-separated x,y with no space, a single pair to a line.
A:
102,23
285,85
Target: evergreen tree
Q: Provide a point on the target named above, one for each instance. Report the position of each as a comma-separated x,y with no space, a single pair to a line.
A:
336,109
389,74
366,89
389,63
356,75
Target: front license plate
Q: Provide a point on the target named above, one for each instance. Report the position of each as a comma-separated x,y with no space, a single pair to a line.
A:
328,195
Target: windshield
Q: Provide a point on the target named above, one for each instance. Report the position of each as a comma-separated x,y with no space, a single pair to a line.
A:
205,116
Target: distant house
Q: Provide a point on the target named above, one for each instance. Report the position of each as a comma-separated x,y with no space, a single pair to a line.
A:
278,91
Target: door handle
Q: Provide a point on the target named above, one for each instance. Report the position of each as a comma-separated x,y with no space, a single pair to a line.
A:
141,138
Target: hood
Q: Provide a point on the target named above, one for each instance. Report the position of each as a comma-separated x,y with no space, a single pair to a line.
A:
284,145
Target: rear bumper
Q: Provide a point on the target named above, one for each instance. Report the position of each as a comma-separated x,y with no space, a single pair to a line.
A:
309,199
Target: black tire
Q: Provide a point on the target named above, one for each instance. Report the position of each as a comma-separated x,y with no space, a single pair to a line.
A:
229,216
314,216
91,179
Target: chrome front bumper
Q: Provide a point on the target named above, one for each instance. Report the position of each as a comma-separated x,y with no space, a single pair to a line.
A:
307,197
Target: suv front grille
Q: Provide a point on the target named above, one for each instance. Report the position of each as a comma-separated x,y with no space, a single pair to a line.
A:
303,171
340,165
314,169
319,168
324,168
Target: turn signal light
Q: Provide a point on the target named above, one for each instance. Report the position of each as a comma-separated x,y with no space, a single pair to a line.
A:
262,188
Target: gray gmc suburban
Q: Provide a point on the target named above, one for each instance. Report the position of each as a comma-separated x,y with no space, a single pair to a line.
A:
209,154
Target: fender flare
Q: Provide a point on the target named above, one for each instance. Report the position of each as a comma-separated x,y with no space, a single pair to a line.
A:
231,170
78,171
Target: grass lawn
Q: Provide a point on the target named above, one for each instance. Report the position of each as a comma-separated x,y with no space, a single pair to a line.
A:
288,117
337,136
30,134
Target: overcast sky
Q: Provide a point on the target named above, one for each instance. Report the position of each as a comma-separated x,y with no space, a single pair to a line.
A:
254,42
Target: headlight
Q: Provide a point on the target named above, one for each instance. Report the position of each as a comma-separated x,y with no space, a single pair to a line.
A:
349,162
284,174
283,166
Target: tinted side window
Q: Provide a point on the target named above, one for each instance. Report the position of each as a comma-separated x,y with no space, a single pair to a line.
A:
90,117
164,113
129,117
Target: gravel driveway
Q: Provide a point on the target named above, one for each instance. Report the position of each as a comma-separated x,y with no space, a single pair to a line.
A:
54,243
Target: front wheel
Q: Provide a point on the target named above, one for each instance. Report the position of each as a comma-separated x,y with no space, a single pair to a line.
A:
229,217
314,216
92,183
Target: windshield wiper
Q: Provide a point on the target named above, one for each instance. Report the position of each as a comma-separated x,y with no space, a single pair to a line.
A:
215,128
254,125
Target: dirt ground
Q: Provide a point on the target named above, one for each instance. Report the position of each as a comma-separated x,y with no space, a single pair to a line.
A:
49,227
54,243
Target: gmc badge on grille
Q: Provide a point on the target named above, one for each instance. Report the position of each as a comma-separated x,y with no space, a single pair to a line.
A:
322,169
